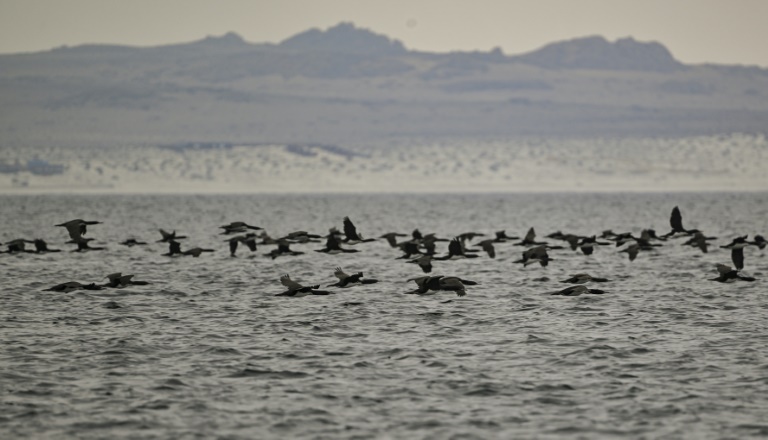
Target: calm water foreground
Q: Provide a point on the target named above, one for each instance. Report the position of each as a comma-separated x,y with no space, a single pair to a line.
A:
207,351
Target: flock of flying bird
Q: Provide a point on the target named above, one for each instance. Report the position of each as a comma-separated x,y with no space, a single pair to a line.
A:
420,249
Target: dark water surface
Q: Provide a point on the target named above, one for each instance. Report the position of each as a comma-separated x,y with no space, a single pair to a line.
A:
207,351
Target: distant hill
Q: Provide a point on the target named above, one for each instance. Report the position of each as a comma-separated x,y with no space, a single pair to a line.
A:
348,85
597,53
344,37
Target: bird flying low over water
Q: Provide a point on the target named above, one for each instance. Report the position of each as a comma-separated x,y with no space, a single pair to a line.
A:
581,278
578,290
728,274
438,283
237,228
174,248
283,248
41,246
736,242
737,255
676,222
350,280
530,239
71,286
297,290
587,244
247,239
78,227
391,238
18,245
488,247
196,252
424,262
501,237
119,280
132,242
352,236
302,237
759,241
83,246
699,240
332,246
456,251
536,254
632,250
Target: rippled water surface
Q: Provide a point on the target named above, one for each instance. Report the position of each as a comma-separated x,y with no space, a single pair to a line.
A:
207,351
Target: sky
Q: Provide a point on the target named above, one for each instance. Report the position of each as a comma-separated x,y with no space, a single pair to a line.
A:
695,31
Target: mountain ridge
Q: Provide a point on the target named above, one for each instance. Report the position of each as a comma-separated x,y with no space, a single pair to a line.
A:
309,89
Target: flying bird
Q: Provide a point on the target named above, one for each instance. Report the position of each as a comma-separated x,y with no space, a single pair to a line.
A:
296,290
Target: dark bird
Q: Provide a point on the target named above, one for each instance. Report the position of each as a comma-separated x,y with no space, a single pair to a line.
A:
169,236
536,254
456,251
488,247
82,245
760,242
296,290
577,290
737,255
352,236
530,239
587,244
438,283
196,252
71,286
676,222
78,227
728,274
410,248
283,248
132,242
424,262
736,242
581,278
302,237
501,237
469,236
120,280
632,250
698,240
391,238
18,245
174,248
41,246
247,239
237,228
350,280
332,246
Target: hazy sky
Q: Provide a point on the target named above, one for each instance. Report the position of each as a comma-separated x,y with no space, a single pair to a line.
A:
695,31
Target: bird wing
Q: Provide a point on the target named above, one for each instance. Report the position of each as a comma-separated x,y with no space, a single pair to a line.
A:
488,248
676,220
332,243
723,269
350,230
289,283
74,230
737,255
340,274
531,235
454,247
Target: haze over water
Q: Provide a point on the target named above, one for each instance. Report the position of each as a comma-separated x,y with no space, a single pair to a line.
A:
208,351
